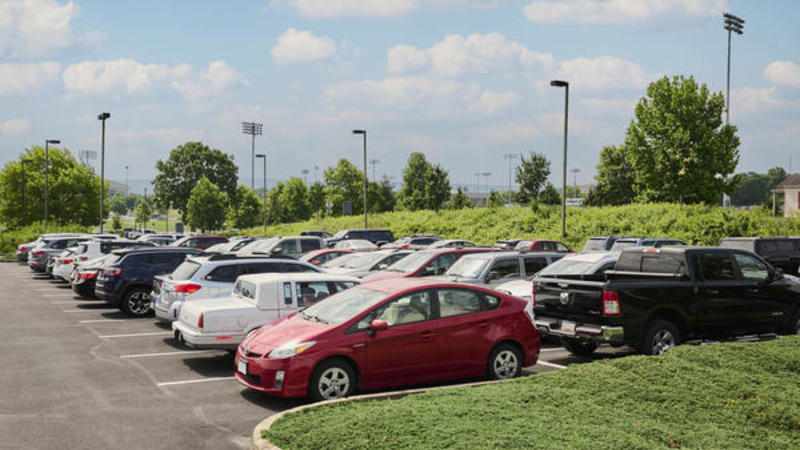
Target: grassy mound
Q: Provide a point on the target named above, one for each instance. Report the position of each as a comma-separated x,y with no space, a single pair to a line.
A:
734,395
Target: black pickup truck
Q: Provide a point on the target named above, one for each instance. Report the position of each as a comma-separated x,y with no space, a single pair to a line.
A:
655,299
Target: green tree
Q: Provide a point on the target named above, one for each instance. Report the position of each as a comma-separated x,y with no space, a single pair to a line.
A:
295,201
143,213
74,193
316,198
460,201
206,206
425,186
187,164
381,196
116,223
678,146
437,188
276,213
117,204
755,188
345,183
550,195
615,177
246,209
531,175
131,200
495,199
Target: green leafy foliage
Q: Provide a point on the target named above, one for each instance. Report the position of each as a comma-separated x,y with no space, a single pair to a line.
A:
117,204
10,239
495,199
531,175
295,201
425,186
246,209
187,164
206,206
615,177
345,183
381,196
754,188
316,198
116,222
143,213
459,201
550,195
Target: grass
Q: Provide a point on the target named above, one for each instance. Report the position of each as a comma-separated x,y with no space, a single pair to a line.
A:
733,395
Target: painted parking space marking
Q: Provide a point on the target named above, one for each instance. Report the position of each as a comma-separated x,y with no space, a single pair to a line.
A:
202,380
68,311
157,333
183,352
72,302
101,321
548,364
63,294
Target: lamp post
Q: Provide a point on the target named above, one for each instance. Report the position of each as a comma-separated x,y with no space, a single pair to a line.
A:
374,162
102,118
565,85
305,175
735,24
575,180
253,129
510,157
364,133
264,214
24,207
127,186
47,143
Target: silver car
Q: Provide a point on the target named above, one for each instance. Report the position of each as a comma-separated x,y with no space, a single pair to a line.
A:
499,267
361,264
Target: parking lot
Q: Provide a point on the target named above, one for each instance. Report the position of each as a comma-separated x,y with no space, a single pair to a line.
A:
77,373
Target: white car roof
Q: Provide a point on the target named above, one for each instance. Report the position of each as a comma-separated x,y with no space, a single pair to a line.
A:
269,278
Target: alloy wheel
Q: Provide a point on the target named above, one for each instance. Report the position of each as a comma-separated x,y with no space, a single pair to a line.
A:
139,303
662,341
333,383
505,364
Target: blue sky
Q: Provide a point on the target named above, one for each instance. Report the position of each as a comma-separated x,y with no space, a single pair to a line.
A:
464,81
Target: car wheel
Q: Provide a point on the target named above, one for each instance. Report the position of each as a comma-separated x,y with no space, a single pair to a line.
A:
331,380
505,362
795,327
136,302
661,336
580,347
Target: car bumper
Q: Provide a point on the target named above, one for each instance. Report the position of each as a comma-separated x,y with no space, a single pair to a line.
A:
162,314
261,373
194,339
598,333
63,272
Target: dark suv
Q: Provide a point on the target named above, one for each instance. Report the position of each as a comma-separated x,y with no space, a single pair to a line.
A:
128,281
200,241
374,236
782,252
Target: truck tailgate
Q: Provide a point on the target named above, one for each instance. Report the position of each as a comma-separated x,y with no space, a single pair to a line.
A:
569,299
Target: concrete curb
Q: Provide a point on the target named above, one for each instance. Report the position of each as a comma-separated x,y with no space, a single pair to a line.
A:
259,443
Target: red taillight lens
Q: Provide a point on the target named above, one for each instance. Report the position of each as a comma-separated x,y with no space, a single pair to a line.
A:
23,249
66,261
112,272
200,321
39,252
611,306
533,294
83,258
315,262
86,275
187,288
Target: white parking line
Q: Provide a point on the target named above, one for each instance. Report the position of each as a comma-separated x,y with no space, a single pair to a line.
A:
556,366
72,302
157,333
48,289
184,352
203,380
79,310
101,320
63,294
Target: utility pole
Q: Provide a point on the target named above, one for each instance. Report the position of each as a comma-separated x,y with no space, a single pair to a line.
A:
102,117
373,162
565,85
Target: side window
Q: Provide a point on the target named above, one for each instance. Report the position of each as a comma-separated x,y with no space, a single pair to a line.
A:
716,267
263,267
190,243
287,294
407,309
548,246
533,265
306,245
292,268
492,302
751,268
356,235
343,285
505,268
456,302
440,264
391,259
288,246
224,274
59,245
561,247
309,293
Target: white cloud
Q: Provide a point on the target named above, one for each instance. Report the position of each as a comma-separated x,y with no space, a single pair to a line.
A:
491,102
217,78
783,73
458,55
606,72
374,8
161,135
406,92
19,78
15,127
302,46
610,106
748,100
508,132
36,27
619,11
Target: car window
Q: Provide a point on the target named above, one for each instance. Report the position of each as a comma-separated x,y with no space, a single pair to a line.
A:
533,265
492,302
456,302
287,294
245,289
306,245
309,293
393,258
751,268
292,268
505,268
716,266
407,309
185,271
58,245
260,267
224,274
440,264
356,235
561,247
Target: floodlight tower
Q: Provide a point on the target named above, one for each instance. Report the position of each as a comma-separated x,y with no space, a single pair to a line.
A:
736,25
253,129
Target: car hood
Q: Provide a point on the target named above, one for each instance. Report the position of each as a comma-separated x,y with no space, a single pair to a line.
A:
384,275
289,329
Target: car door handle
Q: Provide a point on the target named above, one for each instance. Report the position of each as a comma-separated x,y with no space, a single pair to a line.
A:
753,290
711,291
484,324
427,335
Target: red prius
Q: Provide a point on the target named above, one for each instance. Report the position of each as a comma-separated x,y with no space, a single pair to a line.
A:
390,333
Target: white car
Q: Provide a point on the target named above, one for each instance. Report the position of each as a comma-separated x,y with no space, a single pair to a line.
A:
89,250
361,264
357,245
256,300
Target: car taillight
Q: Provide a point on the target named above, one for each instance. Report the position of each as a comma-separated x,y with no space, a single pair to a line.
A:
200,321
315,262
86,275
112,272
611,306
187,288
23,249
83,258
66,261
533,294
39,252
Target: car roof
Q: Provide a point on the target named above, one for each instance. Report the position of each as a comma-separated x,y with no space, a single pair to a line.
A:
591,257
493,255
127,251
395,285
266,278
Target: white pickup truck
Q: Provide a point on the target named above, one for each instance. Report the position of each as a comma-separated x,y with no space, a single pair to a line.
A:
256,300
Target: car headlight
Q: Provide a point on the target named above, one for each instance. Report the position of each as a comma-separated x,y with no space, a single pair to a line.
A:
290,349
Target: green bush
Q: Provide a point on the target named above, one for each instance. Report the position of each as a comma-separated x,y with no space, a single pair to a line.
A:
10,239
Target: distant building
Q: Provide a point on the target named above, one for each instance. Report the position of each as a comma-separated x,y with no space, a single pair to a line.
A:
790,188
114,188
476,198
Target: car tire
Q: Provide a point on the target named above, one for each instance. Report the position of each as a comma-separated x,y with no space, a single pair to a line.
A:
661,336
505,362
579,347
136,302
333,379
794,327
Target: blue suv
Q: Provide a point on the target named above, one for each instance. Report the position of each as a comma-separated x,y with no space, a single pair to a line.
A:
128,281
375,236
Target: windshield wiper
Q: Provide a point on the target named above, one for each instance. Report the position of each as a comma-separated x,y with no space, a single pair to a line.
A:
308,316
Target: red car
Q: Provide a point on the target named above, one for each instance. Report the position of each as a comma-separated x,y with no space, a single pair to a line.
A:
319,257
390,333
542,245
423,263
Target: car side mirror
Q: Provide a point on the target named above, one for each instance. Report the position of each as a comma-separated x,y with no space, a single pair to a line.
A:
382,266
776,274
277,251
377,325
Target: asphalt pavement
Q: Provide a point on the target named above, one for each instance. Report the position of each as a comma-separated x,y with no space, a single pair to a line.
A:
77,373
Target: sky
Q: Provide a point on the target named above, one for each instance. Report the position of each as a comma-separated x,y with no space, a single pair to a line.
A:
463,81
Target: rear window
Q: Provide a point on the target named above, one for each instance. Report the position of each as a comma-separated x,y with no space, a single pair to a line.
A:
739,244
306,245
618,245
671,263
774,246
593,245
245,289
381,235
185,271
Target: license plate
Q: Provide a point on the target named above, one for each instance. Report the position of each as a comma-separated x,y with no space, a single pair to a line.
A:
242,367
568,327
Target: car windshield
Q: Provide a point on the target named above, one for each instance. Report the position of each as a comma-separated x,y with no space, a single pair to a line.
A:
593,245
568,266
340,234
262,245
340,261
343,306
619,245
410,263
362,260
466,268
185,271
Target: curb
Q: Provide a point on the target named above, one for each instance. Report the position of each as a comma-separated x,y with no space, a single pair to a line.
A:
259,443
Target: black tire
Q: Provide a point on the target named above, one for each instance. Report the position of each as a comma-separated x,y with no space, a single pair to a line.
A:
136,302
794,327
580,347
661,335
331,380
505,362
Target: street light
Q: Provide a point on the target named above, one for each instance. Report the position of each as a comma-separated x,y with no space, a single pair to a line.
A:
102,117
253,129
47,176
264,157
565,85
374,162
735,24
364,133
305,175
575,179
24,208
127,186
510,157
486,175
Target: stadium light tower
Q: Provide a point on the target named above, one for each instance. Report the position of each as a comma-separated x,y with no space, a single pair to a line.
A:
253,129
736,25
565,85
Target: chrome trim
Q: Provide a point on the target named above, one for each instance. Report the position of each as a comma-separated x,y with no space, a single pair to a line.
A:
597,333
